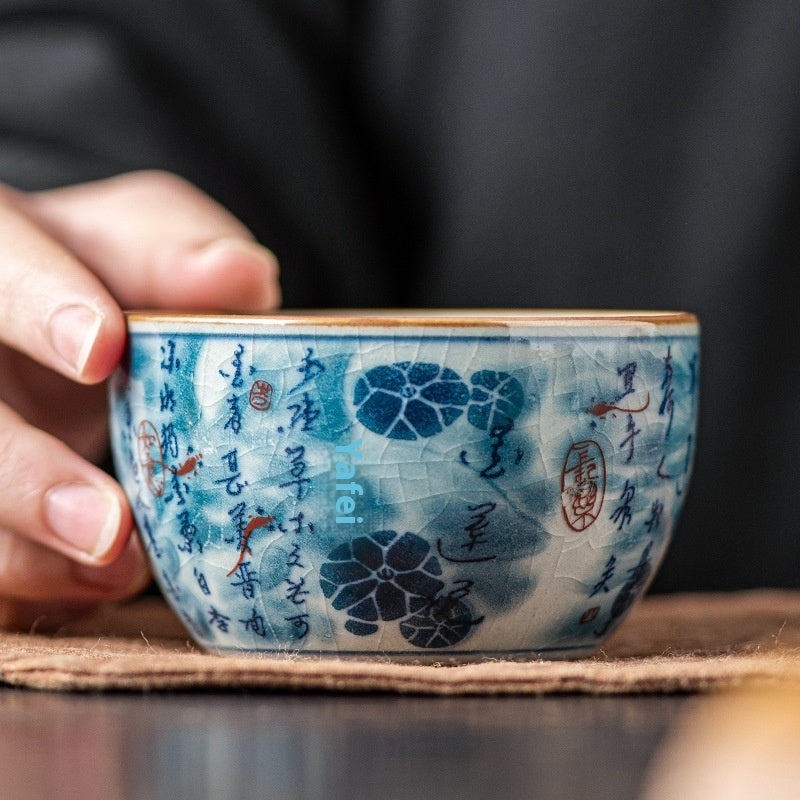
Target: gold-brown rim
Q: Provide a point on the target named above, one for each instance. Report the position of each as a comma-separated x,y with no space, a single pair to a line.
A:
424,317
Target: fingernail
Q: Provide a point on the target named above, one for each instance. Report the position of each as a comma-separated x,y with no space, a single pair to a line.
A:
84,516
73,332
228,246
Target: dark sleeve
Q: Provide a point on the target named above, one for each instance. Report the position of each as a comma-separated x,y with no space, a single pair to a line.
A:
75,102
248,101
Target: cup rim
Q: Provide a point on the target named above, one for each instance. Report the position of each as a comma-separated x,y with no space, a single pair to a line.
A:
420,317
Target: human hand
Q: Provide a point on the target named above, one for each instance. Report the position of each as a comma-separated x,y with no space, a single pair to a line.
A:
70,258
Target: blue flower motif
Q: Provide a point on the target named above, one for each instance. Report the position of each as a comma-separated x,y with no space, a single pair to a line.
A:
497,399
443,623
382,576
406,401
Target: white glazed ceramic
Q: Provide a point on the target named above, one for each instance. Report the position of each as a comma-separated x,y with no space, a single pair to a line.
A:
415,485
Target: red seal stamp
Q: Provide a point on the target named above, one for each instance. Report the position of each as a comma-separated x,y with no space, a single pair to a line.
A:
151,457
260,395
583,484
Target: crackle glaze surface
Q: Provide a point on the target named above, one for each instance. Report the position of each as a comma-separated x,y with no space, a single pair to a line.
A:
416,491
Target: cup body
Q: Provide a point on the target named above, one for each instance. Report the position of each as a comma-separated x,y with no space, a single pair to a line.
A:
424,487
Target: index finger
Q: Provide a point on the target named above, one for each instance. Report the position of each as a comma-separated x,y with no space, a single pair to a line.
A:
157,241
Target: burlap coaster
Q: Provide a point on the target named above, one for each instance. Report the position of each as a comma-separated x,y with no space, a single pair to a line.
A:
669,643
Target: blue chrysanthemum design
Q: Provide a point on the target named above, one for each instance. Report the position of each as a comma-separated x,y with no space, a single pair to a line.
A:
409,400
443,623
496,399
382,576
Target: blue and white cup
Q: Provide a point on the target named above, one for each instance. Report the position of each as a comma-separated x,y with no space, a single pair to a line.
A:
427,486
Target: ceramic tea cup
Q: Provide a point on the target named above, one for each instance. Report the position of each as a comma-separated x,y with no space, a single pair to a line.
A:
414,485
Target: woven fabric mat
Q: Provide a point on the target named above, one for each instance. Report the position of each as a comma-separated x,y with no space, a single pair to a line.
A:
669,643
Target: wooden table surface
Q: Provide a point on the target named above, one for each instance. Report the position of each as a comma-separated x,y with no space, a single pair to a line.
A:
260,745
